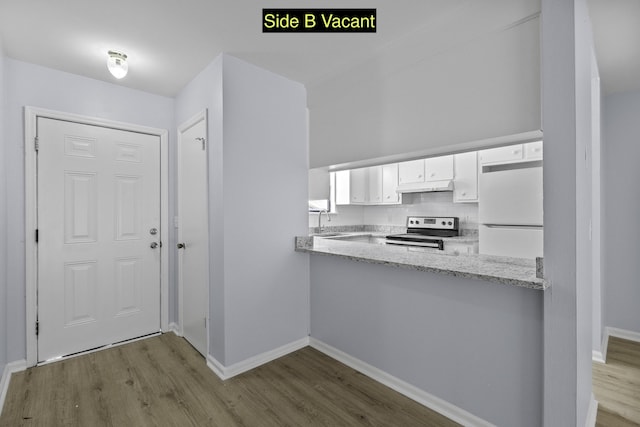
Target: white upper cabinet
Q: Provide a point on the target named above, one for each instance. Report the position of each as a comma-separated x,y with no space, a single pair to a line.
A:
390,183
410,172
343,187
375,184
466,177
438,168
424,170
508,154
359,185
533,150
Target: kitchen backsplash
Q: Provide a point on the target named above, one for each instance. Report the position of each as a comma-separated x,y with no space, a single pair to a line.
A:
423,204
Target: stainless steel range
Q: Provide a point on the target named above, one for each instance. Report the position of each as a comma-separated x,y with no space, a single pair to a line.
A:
426,231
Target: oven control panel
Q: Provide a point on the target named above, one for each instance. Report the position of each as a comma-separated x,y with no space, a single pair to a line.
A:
438,223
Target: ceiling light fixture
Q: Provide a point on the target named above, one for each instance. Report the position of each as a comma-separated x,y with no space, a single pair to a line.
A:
117,64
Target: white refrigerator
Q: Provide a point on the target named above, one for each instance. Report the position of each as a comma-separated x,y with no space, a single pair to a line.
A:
510,211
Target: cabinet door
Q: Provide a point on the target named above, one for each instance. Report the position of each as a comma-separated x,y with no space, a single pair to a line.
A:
343,187
438,168
510,153
390,184
533,150
466,177
358,187
412,171
375,184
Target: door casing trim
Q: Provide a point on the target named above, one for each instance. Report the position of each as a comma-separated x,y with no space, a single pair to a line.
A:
31,218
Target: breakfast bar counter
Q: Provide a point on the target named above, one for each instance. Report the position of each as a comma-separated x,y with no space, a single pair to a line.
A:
504,270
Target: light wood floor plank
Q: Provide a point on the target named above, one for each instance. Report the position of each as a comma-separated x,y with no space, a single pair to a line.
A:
163,381
616,384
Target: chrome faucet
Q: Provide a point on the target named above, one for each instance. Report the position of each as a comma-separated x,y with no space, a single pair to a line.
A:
320,219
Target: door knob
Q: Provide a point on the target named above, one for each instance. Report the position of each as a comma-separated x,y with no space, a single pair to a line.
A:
181,246
154,245
153,231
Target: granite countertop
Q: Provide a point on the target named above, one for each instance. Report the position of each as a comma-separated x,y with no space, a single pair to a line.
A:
504,270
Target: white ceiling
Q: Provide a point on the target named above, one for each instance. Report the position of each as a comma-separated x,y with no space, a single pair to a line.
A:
169,41
616,28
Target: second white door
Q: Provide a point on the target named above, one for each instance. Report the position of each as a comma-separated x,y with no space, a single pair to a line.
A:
193,234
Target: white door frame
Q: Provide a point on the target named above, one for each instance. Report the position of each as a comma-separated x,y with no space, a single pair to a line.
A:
181,129
31,218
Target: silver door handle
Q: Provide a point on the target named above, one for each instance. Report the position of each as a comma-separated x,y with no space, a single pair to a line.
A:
181,246
154,245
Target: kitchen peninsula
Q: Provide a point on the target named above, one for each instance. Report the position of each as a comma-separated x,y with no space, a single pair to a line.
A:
504,270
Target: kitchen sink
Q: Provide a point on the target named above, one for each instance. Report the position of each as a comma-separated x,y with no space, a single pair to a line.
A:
360,238
329,234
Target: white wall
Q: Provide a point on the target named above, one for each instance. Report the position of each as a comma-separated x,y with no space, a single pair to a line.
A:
258,169
484,86
3,220
265,203
31,85
475,344
566,113
621,210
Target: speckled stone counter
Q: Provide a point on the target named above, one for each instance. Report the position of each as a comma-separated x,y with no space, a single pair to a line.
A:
503,270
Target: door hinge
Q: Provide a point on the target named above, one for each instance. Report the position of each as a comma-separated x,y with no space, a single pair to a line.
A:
37,328
37,237
36,143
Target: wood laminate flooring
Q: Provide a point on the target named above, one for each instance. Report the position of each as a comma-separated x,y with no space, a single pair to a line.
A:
616,385
163,381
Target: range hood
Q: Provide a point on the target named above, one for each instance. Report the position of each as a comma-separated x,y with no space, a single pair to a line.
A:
427,186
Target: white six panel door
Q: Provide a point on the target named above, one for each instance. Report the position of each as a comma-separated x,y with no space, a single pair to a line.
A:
98,204
193,259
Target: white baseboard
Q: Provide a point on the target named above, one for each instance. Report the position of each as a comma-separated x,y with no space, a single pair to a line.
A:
618,333
443,407
10,369
622,333
226,372
593,412
597,356
173,327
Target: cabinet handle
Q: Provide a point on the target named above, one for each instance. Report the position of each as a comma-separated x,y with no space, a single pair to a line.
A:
464,193
433,174
420,176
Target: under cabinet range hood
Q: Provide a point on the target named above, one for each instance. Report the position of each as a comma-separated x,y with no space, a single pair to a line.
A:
427,186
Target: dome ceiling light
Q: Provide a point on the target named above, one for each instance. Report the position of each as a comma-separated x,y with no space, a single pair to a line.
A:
117,64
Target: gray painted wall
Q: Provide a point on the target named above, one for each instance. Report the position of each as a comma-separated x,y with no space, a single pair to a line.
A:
3,221
566,114
36,86
265,203
475,344
258,167
416,95
621,210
